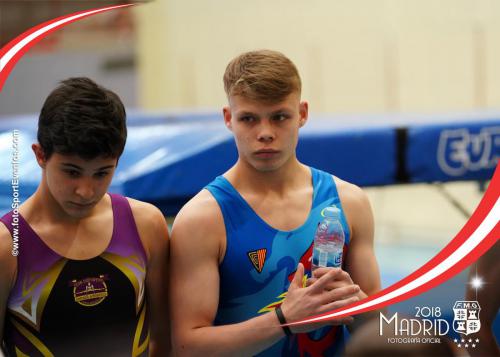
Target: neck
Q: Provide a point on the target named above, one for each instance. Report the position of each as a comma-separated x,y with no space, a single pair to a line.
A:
245,177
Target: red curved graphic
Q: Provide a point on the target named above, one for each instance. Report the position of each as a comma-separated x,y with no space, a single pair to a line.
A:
480,232
15,49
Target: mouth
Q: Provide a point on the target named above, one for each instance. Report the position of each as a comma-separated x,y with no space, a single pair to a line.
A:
82,205
266,153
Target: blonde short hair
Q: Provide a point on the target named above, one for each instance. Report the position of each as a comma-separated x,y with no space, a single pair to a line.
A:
263,75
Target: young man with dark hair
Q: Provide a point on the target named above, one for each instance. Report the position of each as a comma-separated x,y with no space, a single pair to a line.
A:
90,276
241,248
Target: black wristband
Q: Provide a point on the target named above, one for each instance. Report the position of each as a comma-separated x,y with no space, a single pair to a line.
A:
282,320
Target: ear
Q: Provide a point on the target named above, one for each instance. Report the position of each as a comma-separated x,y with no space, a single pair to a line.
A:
226,111
39,155
304,113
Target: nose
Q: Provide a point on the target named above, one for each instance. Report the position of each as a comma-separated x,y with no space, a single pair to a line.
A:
85,189
265,131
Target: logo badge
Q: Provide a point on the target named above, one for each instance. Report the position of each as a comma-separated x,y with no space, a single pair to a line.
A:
466,319
90,291
258,258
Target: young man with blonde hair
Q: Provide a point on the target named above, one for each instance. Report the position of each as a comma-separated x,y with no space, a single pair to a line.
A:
241,248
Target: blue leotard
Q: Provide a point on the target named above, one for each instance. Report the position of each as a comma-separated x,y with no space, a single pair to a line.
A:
260,262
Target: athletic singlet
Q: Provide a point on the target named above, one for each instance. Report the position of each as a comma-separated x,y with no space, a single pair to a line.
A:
260,262
65,307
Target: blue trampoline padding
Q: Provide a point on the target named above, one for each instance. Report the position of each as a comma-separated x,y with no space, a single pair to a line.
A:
170,157
460,151
365,157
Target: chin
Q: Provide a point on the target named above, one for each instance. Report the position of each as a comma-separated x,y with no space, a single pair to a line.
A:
270,167
76,213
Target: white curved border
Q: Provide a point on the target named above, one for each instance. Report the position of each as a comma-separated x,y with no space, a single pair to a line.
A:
490,221
5,59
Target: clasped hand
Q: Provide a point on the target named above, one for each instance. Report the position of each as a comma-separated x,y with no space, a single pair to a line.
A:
328,289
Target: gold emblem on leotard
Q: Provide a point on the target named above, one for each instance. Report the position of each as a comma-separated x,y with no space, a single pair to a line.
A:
90,291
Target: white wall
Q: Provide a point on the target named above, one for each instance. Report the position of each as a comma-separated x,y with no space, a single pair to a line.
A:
354,55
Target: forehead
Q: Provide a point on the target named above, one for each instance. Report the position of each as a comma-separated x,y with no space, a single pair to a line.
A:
240,103
75,160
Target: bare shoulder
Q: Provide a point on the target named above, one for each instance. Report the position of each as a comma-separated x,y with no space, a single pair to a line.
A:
145,212
202,209
8,262
350,194
355,204
151,225
200,223
487,264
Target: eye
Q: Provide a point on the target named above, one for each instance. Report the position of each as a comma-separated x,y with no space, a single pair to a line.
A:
247,119
72,173
280,116
102,174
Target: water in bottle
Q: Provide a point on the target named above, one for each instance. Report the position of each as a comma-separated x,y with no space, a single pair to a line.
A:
328,240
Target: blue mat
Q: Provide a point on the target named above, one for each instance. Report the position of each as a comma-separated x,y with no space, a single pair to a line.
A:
170,157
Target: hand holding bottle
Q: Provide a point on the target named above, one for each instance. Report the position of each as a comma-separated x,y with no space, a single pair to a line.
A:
302,302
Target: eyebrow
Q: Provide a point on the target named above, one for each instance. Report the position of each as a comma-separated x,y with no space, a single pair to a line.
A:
246,113
79,168
274,112
280,110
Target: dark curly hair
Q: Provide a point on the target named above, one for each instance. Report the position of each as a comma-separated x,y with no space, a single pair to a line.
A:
82,118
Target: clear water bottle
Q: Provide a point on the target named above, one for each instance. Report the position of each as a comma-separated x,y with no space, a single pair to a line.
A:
328,240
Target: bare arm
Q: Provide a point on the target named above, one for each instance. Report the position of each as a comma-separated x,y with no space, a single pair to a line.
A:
196,250
153,230
8,265
360,260
195,253
488,269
